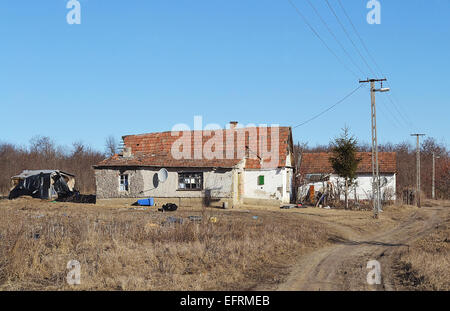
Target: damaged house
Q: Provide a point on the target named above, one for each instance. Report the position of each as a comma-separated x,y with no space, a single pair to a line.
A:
226,166
316,177
43,184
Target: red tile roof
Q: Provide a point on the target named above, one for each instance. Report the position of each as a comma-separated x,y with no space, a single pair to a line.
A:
154,149
318,163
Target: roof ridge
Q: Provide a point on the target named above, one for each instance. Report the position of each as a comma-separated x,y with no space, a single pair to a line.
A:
203,130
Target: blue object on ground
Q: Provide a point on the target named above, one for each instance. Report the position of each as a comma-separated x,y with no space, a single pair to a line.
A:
146,202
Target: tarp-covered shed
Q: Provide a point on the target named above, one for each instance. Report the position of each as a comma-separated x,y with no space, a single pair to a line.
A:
44,184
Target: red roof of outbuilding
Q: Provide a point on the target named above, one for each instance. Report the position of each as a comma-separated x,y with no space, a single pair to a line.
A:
318,163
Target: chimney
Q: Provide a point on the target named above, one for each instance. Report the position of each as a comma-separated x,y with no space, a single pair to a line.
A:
233,124
126,152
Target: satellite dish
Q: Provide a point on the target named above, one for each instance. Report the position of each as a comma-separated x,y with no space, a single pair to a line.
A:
162,175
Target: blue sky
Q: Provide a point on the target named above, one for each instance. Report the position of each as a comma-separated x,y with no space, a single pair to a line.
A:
141,66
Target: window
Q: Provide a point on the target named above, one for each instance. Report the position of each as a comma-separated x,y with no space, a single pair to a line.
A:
190,181
123,182
260,180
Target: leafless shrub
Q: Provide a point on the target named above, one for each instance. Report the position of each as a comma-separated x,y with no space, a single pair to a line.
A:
111,146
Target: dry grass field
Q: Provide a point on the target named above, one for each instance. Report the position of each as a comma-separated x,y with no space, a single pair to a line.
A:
131,249
122,247
425,264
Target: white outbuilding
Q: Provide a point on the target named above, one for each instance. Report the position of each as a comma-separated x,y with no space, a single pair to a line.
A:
317,177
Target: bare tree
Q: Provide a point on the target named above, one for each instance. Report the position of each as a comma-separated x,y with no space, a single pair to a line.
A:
43,145
111,145
42,153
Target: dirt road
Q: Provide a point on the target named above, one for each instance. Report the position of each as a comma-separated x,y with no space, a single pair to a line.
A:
342,265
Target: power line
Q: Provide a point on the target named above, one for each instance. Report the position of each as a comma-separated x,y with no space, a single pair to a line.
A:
348,36
329,108
404,116
320,38
332,52
407,122
387,114
360,38
334,36
391,115
384,112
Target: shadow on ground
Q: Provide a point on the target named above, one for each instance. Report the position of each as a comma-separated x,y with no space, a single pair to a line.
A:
340,240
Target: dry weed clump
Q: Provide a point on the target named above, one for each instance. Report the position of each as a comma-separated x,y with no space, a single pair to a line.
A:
140,251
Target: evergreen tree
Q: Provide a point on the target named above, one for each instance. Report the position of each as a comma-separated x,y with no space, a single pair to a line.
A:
344,159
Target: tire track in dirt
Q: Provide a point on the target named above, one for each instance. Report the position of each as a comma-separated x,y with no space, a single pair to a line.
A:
342,266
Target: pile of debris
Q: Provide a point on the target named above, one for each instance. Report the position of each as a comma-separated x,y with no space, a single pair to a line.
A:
77,197
290,206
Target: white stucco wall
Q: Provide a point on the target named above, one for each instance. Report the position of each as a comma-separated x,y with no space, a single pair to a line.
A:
363,186
277,184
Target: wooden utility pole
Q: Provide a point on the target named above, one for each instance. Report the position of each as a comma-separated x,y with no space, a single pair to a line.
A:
418,168
375,171
433,192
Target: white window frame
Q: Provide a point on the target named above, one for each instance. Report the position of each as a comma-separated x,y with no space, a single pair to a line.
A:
124,182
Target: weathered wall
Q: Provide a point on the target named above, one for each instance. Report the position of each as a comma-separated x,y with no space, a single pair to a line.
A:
221,184
218,182
144,183
107,183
